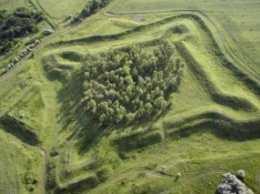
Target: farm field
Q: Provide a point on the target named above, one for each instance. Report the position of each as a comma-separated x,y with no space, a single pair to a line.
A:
50,143
6,4
238,21
61,10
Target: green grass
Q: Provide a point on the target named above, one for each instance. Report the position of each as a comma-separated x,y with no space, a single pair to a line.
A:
192,94
237,20
16,159
61,10
201,159
203,146
11,5
211,97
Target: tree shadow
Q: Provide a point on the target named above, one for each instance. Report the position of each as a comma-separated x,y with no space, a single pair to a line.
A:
86,130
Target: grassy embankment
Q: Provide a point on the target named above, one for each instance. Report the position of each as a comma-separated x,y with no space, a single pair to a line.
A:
238,21
230,104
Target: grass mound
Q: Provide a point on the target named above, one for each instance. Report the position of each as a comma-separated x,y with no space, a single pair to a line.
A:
71,56
56,70
138,140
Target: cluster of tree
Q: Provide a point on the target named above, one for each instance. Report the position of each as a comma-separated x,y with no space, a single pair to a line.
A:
17,24
91,7
129,85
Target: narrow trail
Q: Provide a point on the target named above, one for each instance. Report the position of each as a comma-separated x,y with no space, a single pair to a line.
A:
223,44
39,7
50,126
130,172
127,174
45,162
196,176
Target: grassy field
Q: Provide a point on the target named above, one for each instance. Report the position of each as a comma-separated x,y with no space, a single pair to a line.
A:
211,128
61,10
16,160
195,97
237,20
11,5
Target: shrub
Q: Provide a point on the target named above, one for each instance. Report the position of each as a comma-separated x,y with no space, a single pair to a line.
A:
30,181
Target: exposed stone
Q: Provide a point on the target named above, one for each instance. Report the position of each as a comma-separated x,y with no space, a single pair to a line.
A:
231,184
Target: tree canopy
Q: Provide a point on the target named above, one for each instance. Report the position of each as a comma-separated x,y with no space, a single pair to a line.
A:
129,85
91,7
17,24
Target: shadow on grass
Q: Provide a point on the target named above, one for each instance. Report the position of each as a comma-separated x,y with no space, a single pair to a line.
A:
91,131
56,71
225,129
231,101
74,117
19,129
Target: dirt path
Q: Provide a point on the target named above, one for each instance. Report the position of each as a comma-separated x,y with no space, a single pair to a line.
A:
50,125
196,176
223,44
130,172
39,7
127,174
45,162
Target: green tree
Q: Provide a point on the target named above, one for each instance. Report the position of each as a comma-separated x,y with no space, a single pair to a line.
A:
128,84
149,108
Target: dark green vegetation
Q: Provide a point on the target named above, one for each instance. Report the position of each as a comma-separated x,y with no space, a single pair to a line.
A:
91,7
129,85
12,125
153,101
30,181
137,140
19,23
